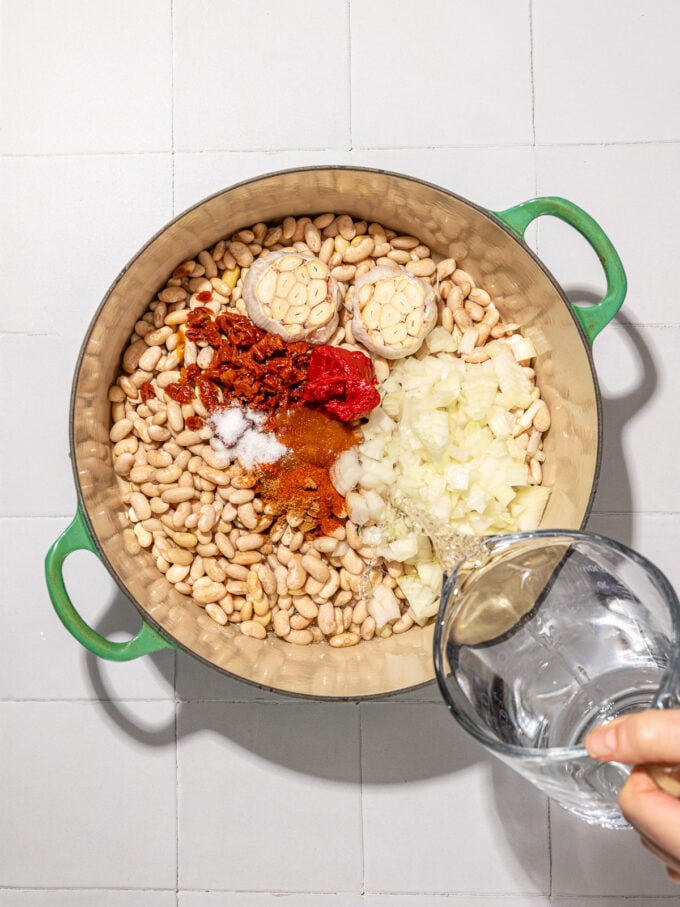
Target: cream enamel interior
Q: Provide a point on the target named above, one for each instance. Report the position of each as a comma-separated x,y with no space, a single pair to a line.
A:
524,292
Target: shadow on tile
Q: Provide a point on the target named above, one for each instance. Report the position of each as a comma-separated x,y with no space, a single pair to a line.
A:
119,621
412,750
515,799
194,717
614,483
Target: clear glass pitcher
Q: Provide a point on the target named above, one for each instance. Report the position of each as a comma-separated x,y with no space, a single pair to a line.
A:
556,633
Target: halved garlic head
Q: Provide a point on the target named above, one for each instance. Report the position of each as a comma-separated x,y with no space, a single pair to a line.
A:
292,295
393,311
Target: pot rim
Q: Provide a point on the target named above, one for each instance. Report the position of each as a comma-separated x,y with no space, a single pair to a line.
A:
256,179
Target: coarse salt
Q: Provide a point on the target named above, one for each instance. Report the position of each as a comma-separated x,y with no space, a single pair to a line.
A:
238,431
229,425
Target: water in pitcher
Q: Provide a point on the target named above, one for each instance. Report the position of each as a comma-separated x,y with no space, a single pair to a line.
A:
545,642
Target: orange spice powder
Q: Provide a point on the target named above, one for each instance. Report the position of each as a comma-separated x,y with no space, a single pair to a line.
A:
300,483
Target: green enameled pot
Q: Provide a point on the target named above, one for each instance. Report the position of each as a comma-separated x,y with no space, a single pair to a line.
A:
487,244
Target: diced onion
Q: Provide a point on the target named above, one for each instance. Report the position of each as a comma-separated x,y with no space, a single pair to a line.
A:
468,341
422,598
346,471
439,340
522,347
442,442
383,606
358,508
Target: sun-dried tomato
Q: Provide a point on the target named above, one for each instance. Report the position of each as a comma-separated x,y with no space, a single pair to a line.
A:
191,372
207,392
248,365
258,369
180,393
147,391
239,330
193,423
199,315
204,296
200,326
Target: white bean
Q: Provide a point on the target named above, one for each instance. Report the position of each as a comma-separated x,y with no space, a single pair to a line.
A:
140,505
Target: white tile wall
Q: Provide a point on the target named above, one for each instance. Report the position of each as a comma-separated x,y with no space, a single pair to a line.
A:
250,77
595,862
415,837
445,900
249,899
609,901
496,177
455,73
69,218
78,796
605,72
36,479
269,797
160,782
79,77
638,212
639,381
200,174
72,897
57,666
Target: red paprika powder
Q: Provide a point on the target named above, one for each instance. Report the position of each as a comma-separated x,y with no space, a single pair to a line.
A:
304,490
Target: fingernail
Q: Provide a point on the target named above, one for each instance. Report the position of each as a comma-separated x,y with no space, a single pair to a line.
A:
601,742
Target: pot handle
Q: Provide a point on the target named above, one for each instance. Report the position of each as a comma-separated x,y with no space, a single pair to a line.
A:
75,538
592,318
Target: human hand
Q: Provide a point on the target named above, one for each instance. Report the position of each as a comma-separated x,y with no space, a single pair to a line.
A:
638,739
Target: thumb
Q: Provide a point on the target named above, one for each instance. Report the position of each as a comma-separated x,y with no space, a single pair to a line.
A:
651,736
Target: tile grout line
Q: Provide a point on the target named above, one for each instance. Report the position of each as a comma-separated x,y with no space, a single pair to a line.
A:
30,155
349,72
179,702
32,334
106,888
174,654
532,80
83,700
473,146
504,895
615,899
532,74
361,802
550,853
172,105
534,154
176,716
267,149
